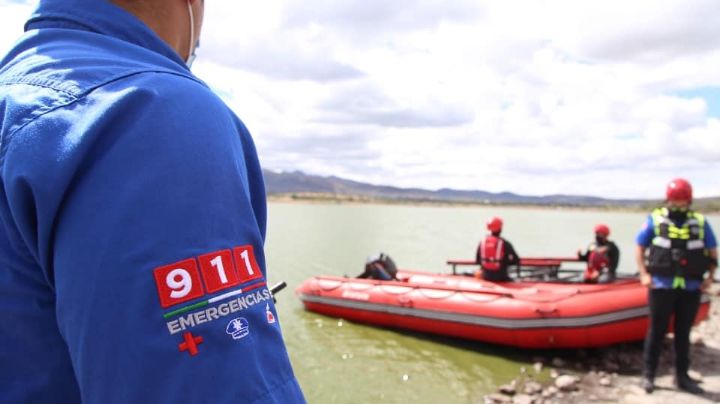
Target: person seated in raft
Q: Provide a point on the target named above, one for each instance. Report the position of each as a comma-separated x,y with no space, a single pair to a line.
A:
495,254
602,257
380,267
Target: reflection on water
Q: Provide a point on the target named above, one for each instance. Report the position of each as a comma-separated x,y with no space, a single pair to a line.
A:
341,362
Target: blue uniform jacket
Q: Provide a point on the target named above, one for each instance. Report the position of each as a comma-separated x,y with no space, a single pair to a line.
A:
644,238
132,220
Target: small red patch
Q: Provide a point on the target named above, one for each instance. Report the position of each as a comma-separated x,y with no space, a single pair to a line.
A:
178,282
218,270
191,343
246,264
270,316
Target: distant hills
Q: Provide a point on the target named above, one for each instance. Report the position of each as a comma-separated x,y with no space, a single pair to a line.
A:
297,185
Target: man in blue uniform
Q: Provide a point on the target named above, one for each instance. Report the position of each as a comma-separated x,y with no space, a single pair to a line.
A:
132,218
680,264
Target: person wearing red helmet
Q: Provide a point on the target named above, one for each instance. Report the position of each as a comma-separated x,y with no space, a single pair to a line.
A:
495,254
602,256
676,256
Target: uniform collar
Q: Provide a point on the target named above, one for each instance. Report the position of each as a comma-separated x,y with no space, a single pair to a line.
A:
101,17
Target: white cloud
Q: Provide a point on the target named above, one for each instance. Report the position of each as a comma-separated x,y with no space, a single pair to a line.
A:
12,19
642,31
546,97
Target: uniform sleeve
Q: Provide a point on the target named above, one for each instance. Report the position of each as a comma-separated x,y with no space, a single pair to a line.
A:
510,254
584,256
614,255
157,250
646,234
710,241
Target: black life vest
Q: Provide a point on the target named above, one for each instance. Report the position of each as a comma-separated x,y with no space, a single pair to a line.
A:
678,251
382,267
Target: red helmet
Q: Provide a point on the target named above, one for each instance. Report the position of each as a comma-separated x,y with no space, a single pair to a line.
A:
494,224
602,229
679,190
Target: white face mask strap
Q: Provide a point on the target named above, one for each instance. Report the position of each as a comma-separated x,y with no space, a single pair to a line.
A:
191,43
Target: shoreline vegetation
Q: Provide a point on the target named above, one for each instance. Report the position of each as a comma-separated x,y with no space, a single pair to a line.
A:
702,205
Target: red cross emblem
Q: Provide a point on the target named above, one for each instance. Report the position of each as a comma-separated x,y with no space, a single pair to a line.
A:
191,343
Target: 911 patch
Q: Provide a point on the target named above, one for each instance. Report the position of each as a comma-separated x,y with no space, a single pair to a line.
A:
178,282
181,281
218,271
247,265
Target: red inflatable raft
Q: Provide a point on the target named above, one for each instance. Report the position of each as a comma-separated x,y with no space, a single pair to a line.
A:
521,314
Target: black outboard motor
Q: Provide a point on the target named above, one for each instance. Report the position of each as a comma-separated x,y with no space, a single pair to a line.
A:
380,267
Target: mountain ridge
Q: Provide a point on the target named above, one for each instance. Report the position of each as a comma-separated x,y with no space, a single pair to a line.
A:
305,185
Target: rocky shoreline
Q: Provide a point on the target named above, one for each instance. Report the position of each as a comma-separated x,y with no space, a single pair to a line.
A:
612,375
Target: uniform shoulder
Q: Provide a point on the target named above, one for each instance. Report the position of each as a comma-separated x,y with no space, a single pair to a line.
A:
77,62
168,97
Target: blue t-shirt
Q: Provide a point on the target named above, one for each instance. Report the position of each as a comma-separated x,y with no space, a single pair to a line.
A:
132,223
644,239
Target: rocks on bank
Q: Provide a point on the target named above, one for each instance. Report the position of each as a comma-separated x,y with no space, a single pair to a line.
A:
563,386
612,374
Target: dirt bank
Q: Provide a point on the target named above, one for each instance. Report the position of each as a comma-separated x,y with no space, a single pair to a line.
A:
612,375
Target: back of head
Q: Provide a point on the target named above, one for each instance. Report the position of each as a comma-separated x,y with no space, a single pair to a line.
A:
602,229
494,224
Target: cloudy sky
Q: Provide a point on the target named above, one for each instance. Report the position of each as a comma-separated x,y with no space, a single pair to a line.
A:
609,98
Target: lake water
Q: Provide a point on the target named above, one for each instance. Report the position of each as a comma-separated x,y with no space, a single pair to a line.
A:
341,362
